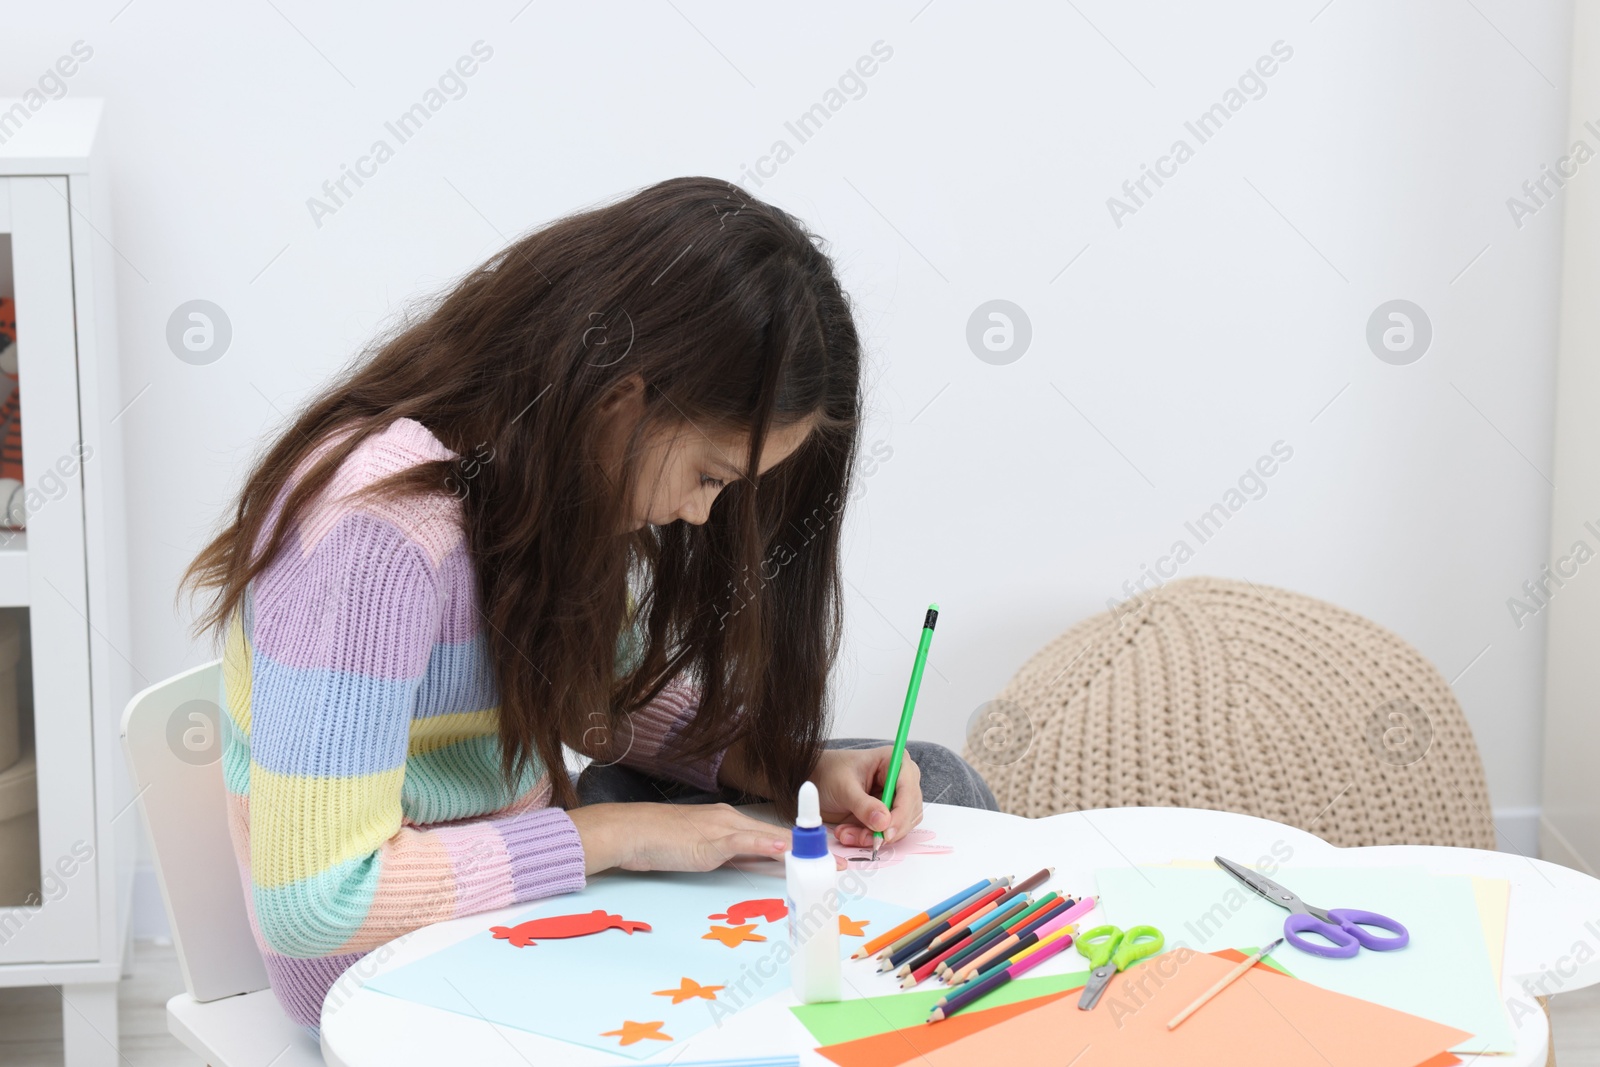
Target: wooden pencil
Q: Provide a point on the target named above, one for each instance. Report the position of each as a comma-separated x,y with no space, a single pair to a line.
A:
1222,983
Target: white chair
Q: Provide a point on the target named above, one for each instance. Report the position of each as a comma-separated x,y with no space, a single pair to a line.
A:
229,1015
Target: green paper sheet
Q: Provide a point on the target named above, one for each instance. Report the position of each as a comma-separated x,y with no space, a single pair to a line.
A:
1444,974
847,1020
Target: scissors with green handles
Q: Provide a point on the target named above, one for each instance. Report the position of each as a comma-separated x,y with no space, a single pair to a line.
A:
1110,949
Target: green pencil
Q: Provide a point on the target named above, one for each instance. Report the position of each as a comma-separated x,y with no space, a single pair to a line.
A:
904,733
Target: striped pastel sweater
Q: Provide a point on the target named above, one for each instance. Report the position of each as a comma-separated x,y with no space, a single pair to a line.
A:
360,751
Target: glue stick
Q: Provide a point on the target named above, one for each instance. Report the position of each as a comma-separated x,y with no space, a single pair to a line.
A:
813,887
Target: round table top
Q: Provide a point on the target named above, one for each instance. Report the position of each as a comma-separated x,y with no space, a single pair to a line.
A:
1552,930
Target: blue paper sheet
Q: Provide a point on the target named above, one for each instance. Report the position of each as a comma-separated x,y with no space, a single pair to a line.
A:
1444,974
577,989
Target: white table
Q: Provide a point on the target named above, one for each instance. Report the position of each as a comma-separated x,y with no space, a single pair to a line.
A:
1553,911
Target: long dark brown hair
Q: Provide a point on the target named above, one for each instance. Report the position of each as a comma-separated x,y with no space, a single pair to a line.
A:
729,311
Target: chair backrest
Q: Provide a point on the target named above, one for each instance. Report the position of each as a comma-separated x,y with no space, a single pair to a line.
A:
170,733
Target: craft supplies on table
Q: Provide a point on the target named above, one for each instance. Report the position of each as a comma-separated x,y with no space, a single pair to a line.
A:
701,947
1222,983
1005,971
637,963
1344,931
1446,973
1265,1017
888,937
1111,949
810,877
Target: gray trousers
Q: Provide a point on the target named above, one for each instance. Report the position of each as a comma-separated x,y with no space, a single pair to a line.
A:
946,779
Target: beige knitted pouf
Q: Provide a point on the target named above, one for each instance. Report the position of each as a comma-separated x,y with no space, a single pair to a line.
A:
1214,693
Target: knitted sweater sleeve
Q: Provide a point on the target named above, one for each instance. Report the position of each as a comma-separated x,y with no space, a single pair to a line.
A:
653,734
649,739
341,638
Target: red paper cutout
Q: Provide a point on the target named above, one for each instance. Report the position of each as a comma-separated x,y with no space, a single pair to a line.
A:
687,989
733,935
632,1031
853,927
771,909
557,926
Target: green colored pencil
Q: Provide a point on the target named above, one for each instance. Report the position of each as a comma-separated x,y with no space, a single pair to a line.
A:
904,733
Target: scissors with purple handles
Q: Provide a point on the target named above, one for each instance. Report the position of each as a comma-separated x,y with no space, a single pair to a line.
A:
1345,928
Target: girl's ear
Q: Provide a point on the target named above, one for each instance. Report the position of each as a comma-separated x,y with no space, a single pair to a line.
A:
628,392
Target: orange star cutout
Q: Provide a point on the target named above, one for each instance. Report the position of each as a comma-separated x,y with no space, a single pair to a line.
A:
853,927
632,1031
733,935
687,990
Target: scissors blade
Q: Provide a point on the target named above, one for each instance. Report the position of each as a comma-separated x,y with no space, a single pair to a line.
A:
1099,978
1259,883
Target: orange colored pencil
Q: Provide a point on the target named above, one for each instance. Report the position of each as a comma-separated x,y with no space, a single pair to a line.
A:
977,916
954,915
921,919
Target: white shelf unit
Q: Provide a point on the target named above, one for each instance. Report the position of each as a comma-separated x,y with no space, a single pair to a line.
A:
69,571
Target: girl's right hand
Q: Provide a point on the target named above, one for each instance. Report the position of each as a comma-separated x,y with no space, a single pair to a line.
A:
672,837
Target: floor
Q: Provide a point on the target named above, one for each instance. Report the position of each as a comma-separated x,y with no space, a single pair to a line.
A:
30,1020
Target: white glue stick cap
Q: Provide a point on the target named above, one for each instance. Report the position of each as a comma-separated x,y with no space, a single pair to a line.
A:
810,808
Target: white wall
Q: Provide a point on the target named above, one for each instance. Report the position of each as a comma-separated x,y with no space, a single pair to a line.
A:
1227,313
1570,805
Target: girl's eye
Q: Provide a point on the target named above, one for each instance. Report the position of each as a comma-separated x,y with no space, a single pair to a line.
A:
707,480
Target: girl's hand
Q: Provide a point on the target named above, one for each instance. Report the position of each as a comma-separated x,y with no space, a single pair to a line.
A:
849,783
672,837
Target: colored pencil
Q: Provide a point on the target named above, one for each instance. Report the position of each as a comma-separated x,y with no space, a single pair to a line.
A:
1001,913
1065,934
942,915
954,1003
978,946
1062,919
898,956
944,922
905,939
1222,983
992,948
924,963
918,920
897,755
918,954
1021,889
1010,948
932,965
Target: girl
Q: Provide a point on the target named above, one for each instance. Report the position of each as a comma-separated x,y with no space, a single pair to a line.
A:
639,420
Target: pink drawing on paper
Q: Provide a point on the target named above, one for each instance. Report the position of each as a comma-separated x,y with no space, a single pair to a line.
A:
918,842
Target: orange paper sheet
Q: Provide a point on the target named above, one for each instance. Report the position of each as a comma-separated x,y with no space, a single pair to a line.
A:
1261,1018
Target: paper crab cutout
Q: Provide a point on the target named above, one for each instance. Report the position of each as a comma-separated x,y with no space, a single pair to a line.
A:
770,909
555,926
918,842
